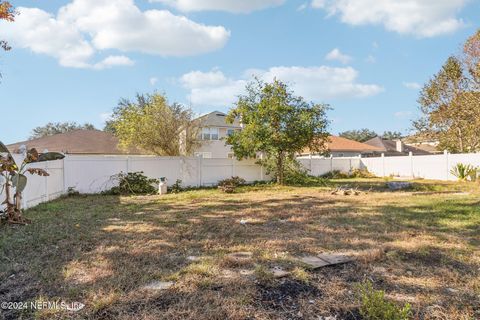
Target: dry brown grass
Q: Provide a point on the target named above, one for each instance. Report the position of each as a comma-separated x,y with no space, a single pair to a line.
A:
419,246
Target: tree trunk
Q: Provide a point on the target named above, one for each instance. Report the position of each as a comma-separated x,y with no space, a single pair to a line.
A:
280,163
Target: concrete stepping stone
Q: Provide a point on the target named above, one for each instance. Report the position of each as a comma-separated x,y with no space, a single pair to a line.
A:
326,259
158,285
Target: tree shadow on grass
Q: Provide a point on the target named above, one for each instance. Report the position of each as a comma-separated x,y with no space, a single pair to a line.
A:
102,249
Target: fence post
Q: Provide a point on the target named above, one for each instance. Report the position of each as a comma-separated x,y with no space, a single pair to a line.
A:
445,152
412,174
383,164
47,197
331,163
311,162
64,172
233,167
261,167
200,169
129,164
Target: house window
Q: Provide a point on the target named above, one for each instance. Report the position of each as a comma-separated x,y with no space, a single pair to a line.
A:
209,133
205,155
230,132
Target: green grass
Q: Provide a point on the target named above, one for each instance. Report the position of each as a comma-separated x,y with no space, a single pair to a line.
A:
99,250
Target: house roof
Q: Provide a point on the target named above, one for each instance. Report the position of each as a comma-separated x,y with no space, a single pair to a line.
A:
76,142
390,146
343,144
217,119
339,144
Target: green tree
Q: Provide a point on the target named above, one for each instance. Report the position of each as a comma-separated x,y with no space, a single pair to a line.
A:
277,124
360,135
109,126
450,102
392,135
153,125
53,128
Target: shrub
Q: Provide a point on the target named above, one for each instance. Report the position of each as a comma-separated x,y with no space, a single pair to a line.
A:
133,183
361,173
374,306
176,187
465,172
303,179
335,174
71,192
355,173
229,185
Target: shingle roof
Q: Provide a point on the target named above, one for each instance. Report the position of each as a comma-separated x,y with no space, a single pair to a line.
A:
390,146
343,144
76,142
217,119
339,144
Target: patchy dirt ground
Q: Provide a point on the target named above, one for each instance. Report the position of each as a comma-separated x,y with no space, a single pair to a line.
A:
419,246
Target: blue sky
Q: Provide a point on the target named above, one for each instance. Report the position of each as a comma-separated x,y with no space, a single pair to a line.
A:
73,60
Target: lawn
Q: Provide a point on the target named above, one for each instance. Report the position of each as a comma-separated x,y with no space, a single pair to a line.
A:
420,246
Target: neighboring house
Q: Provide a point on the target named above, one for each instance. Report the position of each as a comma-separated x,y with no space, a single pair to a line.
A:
213,132
75,142
423,143
394,147
342,147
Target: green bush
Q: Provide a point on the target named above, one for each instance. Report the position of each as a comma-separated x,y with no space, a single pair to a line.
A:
335,174
374,306
361,173
133,183
229,185
465,172
303,179
355,173
176,187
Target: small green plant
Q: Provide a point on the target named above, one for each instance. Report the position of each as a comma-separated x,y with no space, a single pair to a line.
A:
465,172
176,187
71,192
229,185
335,174
303,179
361,173
374,306
133,183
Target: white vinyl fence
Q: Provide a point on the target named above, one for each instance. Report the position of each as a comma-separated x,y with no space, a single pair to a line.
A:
93,174
435,167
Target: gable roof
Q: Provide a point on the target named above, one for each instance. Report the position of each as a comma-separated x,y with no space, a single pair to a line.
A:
343,144
76,142
390,146
217,119
339,144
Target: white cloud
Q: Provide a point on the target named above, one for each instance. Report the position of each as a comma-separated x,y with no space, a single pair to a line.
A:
402,114
313,83
412,85
106,116
371,59
112,61
153,81
83,27
302,7
423,18
235,6
336,54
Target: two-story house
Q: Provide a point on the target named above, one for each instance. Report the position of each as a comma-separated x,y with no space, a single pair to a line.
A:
212,134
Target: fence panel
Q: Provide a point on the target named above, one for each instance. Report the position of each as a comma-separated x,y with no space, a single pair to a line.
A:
92,174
